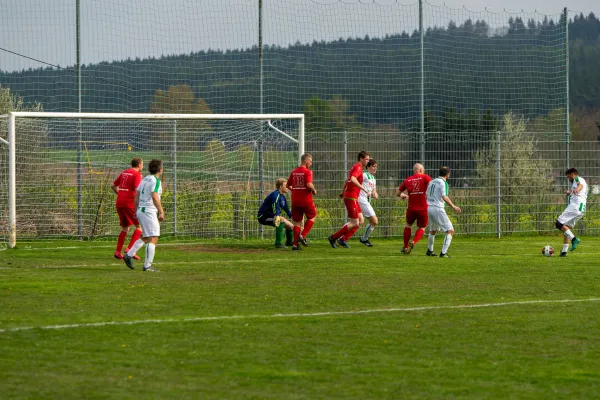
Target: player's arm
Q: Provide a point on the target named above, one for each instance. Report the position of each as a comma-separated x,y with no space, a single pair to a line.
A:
355,182
402,191
115,185
578,189
158,205
136,200
449,202
311,187
374,194
284,206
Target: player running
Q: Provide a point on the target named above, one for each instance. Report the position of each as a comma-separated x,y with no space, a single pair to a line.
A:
270,210
124,186
437,198
300,183
149,212
575,209
414,188
352,188
364,200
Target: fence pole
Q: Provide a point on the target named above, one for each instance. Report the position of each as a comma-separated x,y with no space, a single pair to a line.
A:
174,158
345,167
498,183
12,182
79,129
567,118
422,100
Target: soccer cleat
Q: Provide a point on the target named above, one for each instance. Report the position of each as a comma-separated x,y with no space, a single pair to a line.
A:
135,256
444,255
563,253
366,242
118,255
128,261
150,269
303,241
574,243
430,253
343,243
332,241
404,250
411,244
280,246
296,248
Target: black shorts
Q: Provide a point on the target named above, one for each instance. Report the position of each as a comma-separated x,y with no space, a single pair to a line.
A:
267,220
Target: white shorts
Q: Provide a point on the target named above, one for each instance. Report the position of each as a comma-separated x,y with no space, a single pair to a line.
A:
149,223
438,220
570,216
367,209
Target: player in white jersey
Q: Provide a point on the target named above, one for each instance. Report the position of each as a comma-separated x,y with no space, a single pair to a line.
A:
149,213
437,198
574,211
364,200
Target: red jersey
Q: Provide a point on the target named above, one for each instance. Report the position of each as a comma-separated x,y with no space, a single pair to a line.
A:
299,180
126,183
416,186
351,191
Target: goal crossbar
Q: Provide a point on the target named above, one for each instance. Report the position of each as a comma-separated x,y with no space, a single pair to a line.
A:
11,139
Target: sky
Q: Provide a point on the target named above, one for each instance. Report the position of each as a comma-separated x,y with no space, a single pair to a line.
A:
40,33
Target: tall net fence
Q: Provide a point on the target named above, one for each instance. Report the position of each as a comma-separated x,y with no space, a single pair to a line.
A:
356,68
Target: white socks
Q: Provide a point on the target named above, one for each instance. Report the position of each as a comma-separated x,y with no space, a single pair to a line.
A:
150,249
569,234
136,246
430,242
447,241
565,248
367,233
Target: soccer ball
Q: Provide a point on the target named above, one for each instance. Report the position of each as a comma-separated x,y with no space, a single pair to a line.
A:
547,251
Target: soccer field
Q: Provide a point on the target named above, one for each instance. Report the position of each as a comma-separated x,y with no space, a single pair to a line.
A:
238,320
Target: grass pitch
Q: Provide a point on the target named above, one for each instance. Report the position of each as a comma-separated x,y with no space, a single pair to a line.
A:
235,320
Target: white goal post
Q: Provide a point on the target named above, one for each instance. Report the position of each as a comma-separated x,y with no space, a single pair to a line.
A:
60,164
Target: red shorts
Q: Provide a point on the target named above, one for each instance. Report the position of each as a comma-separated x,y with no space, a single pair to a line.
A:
298,212
352,207
127,217
417,215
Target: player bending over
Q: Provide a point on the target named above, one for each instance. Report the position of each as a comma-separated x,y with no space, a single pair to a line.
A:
414,188
300,183
149,212
352,188
437,198
269,214
124,186
575,209
364,200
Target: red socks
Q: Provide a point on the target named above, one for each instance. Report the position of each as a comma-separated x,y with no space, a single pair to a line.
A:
121,241
407,233
419,234
350,233
307,227
136,235
296,235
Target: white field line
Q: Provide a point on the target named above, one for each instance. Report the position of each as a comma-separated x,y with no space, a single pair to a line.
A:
296,315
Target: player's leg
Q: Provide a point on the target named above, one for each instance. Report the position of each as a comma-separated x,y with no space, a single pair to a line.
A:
311,215
297,217
150,251
434,228
137,233
422,221
289,231
411,217
368,213
124,224
352,222
145,223
565,222
446,226
356,222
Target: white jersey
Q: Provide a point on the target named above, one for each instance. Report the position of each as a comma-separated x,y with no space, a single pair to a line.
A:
579,200
150,184
436,190
369,183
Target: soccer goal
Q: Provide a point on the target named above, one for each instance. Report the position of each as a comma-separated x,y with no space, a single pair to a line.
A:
218,168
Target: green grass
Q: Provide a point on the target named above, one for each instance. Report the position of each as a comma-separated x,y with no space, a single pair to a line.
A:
239,320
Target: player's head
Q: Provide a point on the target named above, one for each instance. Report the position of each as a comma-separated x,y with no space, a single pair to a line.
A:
363,157
137,162
444,172
280,185
306,160
418,168
155,166
571,173
372,166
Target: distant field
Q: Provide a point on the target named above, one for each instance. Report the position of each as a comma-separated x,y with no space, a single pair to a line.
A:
237,320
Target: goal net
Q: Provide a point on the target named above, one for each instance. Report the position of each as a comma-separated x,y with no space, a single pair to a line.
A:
218,168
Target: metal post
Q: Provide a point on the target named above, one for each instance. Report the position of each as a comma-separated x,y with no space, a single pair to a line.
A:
79,129
174,158
261,106
422,100
567,118
345,166
498,183
12,182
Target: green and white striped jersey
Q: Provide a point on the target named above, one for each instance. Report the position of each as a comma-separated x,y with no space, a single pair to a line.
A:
436,190
150,184
579,200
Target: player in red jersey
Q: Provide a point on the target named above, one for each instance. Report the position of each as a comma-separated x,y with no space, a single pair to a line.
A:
124,186
416,187
300,183
352,187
